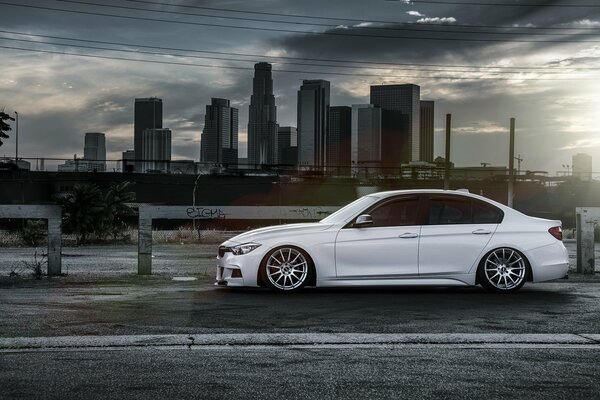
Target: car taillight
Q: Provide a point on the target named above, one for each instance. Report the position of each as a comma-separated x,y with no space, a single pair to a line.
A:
556,231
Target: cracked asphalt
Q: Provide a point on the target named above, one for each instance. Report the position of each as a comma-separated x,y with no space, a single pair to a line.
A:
102,297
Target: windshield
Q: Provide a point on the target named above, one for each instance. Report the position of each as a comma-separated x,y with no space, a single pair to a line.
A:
345,213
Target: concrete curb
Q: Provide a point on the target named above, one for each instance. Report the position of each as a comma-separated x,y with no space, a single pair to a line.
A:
294,339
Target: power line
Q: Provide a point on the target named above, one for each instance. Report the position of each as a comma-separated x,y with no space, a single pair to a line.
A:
262,56
313,23
290,71
320,17
291,30
475,3
278,62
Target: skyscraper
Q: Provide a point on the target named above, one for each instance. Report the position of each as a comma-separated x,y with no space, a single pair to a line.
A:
262,118
427,128
366,135
95,148
219,143
401,129
156,150
287,146
148,115
313,123
339,138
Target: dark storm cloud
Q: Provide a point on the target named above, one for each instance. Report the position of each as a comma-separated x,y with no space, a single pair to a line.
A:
102,92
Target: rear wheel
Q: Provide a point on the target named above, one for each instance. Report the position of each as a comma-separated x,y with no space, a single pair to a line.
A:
503,270
287,269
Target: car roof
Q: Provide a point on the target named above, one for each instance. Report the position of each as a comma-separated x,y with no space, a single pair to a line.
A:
462,192
390,193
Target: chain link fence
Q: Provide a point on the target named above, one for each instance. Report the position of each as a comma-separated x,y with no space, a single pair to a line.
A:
38,236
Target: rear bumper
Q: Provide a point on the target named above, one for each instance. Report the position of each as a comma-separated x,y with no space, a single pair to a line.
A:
549,262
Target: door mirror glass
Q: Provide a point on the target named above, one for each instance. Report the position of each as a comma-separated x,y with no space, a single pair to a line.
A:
363,220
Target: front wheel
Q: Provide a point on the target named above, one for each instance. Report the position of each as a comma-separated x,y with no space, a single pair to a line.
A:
286,269
503,270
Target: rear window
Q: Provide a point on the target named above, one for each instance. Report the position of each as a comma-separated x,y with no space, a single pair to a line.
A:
484,213
454,210
443,211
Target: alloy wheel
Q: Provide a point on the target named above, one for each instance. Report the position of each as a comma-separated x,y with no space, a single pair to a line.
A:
505,269
287,268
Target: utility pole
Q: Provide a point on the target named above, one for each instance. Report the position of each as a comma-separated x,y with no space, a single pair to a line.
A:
447,160
511,163
519,159
17,138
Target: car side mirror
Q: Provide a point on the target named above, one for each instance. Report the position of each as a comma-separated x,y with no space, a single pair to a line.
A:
363,220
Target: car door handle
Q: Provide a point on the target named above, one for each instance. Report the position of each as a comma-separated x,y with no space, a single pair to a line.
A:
481,232
408,235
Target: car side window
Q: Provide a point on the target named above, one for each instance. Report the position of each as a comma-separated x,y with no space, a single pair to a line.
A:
445,211
400,212
485,213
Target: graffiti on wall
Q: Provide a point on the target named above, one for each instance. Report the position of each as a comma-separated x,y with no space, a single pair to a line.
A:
205,213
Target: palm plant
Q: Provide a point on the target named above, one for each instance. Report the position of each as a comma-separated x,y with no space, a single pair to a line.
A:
115,203
83,211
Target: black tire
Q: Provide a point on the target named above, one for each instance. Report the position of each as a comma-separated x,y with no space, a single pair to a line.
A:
503,270
286,269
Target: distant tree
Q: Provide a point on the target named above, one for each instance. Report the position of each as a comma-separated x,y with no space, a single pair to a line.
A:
83,211
4,127
87,211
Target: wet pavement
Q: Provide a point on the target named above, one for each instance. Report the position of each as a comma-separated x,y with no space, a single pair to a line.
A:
541,342
131,304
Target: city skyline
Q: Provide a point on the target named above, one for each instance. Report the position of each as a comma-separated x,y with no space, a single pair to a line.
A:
61,97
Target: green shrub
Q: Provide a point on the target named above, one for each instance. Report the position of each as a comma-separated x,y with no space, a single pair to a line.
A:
33,232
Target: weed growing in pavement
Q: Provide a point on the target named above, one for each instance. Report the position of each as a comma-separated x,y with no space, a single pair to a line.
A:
36,266
16,271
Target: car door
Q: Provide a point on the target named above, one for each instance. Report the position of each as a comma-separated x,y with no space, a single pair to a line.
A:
387,248
454,234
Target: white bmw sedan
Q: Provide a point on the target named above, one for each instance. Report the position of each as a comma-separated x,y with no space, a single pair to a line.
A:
408,237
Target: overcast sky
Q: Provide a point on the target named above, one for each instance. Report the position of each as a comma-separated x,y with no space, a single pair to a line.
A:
60,97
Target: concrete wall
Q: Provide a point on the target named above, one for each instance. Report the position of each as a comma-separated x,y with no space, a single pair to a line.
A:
54,216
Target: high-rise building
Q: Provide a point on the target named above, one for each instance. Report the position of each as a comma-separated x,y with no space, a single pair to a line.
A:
427,130
156,150
148,115
339,138
94,155
287,146
128,161
400,122
366,135
582,166
262,118
313,123
94,147
219,143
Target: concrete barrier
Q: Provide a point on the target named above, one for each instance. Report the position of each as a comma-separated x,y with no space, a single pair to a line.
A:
54,216
149,212
586,219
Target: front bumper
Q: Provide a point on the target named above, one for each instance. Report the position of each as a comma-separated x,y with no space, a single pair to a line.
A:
237,271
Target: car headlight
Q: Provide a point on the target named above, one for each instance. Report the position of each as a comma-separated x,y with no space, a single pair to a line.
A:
244,248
